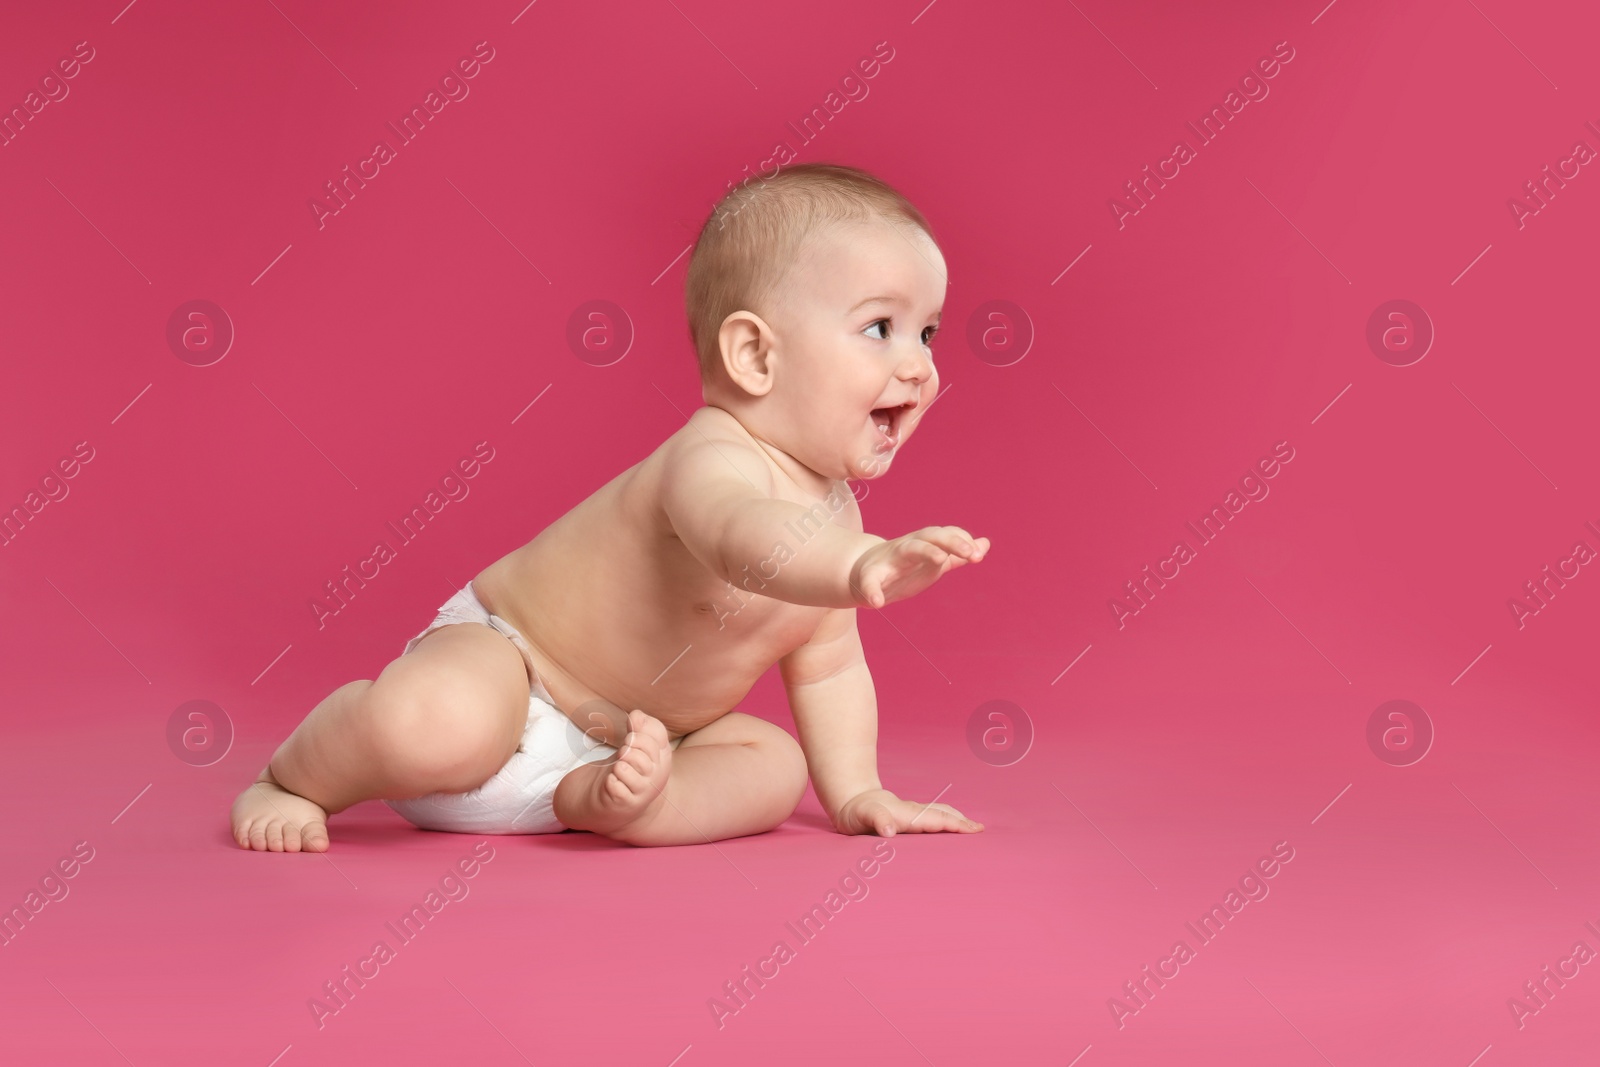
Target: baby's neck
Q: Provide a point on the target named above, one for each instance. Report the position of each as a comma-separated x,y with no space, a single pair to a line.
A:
803,478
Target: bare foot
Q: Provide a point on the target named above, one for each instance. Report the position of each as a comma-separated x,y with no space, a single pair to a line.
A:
269,818
627,792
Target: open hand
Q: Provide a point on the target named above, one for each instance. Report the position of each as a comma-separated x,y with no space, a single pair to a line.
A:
878,811
904,567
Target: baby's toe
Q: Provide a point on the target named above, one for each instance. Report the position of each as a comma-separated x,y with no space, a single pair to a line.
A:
291,837
314,837
258,835
275,836
629,775
644,723
656,731
639,757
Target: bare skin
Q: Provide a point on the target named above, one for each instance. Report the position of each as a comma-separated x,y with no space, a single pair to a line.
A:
666,592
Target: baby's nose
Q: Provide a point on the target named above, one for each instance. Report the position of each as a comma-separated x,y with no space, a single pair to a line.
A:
917,366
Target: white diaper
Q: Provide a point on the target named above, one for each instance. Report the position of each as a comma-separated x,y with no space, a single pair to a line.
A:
520,798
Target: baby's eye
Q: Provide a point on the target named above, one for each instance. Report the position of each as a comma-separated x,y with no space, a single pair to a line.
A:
880,322
928,334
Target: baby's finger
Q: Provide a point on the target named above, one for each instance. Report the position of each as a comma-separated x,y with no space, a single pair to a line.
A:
968,825
882,820
942,817
871,590
923,549
927,815
952,539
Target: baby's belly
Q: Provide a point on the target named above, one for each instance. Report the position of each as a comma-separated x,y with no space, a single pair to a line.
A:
686,667
685,682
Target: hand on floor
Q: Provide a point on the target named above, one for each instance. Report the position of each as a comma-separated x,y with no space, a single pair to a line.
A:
878,811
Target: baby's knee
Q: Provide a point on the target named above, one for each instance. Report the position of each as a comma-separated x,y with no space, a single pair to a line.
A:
789,771
436,744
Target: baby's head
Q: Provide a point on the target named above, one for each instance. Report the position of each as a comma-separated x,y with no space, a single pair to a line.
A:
812,297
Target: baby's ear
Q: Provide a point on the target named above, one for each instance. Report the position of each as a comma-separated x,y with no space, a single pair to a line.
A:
746,343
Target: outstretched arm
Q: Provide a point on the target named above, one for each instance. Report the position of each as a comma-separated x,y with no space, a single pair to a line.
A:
718,497
836,712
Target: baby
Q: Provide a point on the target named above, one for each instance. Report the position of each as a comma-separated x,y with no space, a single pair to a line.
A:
812,298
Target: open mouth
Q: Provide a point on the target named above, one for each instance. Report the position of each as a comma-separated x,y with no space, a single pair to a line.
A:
890,420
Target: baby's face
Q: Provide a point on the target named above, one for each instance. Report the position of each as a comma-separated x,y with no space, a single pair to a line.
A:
853,321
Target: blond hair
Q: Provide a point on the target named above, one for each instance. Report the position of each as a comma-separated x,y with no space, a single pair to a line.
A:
755,232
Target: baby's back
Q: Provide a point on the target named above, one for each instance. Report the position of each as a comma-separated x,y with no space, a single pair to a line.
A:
615,607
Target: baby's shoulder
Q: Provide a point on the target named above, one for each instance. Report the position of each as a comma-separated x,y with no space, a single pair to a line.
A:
711,447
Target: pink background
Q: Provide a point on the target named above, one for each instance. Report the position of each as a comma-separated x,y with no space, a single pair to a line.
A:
1228,715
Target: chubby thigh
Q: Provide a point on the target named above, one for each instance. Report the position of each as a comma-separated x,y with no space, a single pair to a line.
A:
449,714
770,777
737,728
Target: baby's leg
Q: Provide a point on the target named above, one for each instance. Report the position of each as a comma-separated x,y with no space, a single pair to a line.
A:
443,718
739,775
